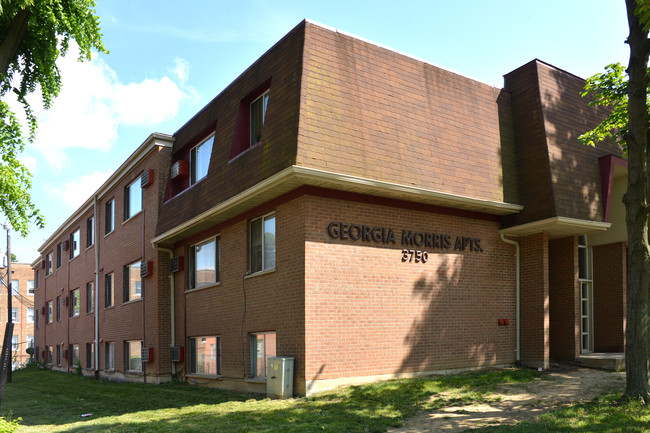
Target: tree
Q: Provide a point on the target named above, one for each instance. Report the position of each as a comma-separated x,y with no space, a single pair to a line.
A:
33,34
628,124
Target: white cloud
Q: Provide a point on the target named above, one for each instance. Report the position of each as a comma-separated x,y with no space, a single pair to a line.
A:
75,193
93,103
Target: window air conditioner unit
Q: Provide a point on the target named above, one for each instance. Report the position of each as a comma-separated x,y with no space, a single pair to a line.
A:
146,269
179,168
177,354
176,264
147,354
147,178
66,245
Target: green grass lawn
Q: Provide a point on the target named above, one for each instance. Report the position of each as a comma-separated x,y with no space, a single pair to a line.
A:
49,401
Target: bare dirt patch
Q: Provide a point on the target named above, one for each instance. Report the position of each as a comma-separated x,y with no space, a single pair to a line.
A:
560,386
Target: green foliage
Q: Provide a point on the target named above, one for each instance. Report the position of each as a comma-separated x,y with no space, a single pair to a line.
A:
9,425
30,65
609,89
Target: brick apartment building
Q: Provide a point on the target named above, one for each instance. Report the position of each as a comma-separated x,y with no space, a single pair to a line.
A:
22,307
369,214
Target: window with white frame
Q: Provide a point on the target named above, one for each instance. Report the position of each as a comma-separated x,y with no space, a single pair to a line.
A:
109,217
108,291
133,355
90,231
15,287
262,243
200,160
204,263
30,340
48,264
262,347
132,199
205,355
90,297
132,282
74,303
30,315
48,354
75,245
74,355
49,312
30,287
14,343
257,115
14,315
110,356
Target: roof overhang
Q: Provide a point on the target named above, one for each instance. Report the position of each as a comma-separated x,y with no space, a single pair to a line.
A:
296,176
557,227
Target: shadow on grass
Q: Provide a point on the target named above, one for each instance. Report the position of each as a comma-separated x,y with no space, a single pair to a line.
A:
45,399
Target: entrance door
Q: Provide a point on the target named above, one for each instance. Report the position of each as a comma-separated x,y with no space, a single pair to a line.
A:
586,296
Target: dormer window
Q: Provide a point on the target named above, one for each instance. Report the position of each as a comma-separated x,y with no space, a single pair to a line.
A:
200,160
258,112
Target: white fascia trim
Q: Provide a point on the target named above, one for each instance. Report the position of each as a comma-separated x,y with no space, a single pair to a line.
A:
310,176
585,225
154,140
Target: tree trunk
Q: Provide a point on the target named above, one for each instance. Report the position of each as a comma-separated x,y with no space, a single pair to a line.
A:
637,343
15,34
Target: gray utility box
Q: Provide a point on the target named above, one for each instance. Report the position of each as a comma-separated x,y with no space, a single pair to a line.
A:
279,377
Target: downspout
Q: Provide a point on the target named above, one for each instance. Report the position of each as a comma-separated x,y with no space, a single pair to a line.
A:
517,297
95,208
172,302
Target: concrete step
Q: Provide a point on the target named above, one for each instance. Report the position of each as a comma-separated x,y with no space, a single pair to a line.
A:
604,361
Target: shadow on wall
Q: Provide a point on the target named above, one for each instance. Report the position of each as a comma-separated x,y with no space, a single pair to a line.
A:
457,327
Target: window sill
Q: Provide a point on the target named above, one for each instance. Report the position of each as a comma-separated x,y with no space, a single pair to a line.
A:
89,247
110,307
239,155
132,217
258,273
204,376
256,380
74,316
90,312
209,286
109,233
132,301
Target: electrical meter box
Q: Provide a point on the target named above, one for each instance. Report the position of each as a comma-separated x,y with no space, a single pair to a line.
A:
279,377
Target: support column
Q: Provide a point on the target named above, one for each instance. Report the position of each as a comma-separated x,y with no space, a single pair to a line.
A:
564,292
534,301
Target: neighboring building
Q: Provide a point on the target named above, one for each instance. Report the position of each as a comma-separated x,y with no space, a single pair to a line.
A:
22,305
353,208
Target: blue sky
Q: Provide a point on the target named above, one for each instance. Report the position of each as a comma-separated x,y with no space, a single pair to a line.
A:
168,59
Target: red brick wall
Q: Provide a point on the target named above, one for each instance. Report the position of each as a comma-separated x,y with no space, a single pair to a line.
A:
534,300
22,273
610,282
564,298
369,313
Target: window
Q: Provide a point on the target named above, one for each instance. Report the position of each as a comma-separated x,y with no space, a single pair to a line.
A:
90,232
15,284
90,355
48,264
108,279
14,315
262,243
204,263
109,223
14,343
49,312
262,347
30,340
48,354
30,287
90,297
200,160
74,244
132,199
205,355
133,352
30,315
258,113
37,278
110,356
74,355
58,308
38,319
74,303
59,252
132,282
58,355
